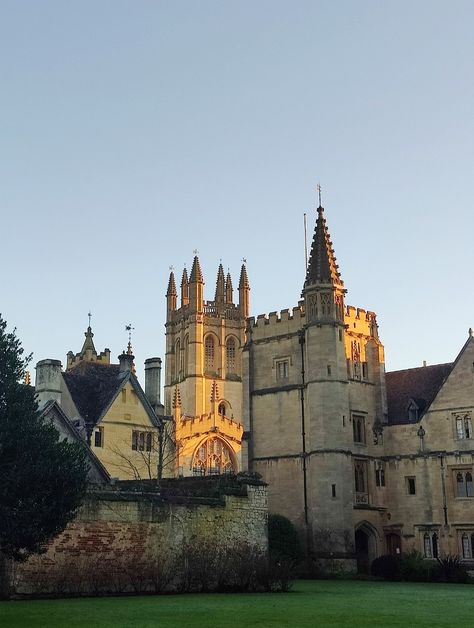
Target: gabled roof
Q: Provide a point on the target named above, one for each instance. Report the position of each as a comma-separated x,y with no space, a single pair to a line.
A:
94,387
420,384
53,411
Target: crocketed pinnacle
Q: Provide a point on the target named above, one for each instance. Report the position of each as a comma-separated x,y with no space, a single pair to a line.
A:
220,285
184,278
196,274
229,291
214,392
322,267
176,397
171,292
244,280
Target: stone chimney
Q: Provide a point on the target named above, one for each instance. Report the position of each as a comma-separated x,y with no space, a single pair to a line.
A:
126,362
153,384
48,381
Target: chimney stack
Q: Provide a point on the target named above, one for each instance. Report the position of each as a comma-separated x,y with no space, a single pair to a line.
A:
153,384
126,362
48,381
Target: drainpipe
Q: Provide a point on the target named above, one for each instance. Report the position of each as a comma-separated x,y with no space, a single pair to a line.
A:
303,431
443,488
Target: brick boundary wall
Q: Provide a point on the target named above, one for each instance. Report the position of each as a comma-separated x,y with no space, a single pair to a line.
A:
120,535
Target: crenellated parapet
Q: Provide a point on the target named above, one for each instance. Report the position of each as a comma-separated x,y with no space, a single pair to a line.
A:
73,360
277,323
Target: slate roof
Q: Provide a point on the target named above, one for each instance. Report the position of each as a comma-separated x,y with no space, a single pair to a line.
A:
420,384
93,387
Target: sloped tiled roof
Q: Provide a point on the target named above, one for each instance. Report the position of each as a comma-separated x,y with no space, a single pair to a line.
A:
93,387
420,384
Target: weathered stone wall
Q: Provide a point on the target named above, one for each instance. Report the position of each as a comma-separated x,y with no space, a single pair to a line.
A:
126,531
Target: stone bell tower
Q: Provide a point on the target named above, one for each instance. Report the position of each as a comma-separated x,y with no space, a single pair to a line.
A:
203,372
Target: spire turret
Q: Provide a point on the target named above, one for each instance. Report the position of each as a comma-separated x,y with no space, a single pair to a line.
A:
88,352
229,291
171,293
88,342
323,288
196,287
322,267
220,286
244,292
184,288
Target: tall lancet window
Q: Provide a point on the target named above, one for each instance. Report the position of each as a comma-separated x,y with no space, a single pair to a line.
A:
186,355
230,356
177,359
209,353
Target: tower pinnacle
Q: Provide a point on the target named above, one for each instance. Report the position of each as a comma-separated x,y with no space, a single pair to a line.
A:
322,267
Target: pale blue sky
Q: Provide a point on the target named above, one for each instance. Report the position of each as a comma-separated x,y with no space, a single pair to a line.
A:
132,133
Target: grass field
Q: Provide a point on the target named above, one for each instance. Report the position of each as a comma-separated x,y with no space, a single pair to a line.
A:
310,603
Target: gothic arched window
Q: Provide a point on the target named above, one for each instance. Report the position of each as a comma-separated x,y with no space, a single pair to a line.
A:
177,359
464,484
186,355
230,356
209,353
213,457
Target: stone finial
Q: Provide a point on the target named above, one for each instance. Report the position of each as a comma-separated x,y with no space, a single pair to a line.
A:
220,285
196,273
470,332
229,291
171,291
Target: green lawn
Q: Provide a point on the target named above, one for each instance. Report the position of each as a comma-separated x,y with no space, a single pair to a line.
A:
310,603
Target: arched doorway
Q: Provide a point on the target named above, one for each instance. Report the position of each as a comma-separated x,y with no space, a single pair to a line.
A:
365,546
362,551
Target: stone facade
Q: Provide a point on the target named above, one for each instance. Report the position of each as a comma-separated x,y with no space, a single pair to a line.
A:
343,461
119,533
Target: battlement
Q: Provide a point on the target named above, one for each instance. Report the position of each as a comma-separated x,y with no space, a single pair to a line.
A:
190,426
87,356
211,309
358,320
277,323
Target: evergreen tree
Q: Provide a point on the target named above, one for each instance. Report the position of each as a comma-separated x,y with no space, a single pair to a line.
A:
42,478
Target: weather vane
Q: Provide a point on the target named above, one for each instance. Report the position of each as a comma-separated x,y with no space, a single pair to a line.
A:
244,260
195,252
90,316
129,328
171,267
318,189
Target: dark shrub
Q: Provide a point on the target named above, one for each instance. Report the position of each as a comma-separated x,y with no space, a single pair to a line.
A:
283,539
415,568
386,567
450,569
